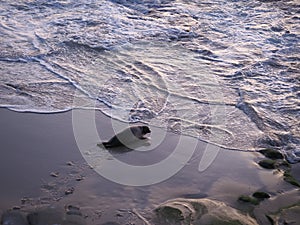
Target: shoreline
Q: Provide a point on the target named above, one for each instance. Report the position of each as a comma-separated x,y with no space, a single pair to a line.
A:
48,146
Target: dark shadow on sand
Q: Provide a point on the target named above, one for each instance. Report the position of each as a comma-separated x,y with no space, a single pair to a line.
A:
128,148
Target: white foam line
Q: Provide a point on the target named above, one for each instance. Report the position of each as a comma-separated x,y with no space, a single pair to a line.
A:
75,84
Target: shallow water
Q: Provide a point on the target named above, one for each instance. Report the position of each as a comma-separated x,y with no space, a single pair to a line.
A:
226,72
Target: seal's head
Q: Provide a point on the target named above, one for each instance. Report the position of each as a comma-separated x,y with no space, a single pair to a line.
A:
145,130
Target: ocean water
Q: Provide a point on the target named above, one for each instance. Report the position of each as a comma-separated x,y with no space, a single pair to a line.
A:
224,71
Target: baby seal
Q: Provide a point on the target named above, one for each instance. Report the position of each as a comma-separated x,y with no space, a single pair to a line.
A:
127,136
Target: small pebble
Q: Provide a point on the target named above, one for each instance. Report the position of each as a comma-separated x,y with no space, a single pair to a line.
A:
73,210
79,178
25,200
72,207
70,163
54,174
69,191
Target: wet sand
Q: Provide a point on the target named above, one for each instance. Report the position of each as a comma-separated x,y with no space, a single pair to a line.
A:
35,145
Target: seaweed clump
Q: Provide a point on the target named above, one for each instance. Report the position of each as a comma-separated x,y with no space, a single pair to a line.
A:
256,198
249,199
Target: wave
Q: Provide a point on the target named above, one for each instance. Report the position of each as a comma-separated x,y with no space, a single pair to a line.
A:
197,68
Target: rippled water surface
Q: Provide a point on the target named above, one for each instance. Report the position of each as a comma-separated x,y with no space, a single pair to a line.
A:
226,72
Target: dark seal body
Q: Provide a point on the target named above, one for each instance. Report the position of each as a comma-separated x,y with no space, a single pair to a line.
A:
127,136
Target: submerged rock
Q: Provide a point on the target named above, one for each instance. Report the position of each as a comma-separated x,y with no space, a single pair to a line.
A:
200,211
271,154
13,217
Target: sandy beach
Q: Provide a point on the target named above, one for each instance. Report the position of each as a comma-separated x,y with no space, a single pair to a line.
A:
216,83
41,166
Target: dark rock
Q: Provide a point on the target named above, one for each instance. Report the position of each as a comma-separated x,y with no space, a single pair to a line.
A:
261,195
267,163
272,154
